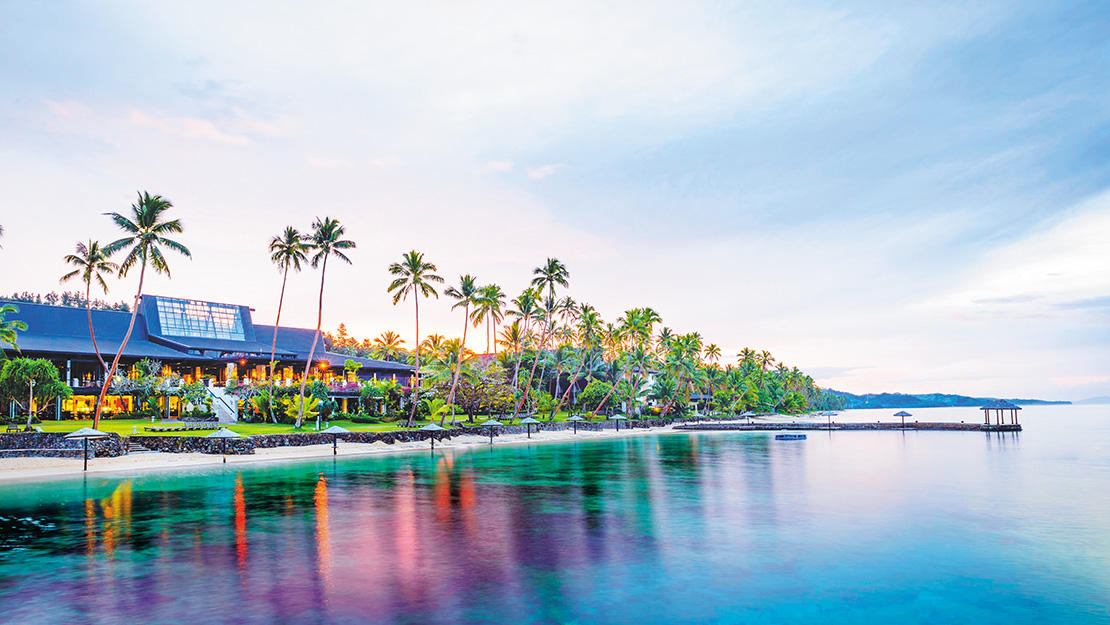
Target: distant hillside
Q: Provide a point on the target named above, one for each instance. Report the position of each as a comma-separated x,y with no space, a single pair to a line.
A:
928,400
1095,400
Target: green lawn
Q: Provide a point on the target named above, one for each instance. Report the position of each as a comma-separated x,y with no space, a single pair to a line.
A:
125,426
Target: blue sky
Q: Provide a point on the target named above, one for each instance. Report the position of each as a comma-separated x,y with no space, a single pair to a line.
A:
893,196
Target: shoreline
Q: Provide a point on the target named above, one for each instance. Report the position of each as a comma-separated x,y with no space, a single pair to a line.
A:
30,469
26,469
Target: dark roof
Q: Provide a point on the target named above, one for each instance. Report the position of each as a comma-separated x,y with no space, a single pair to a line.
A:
63,330
1001,404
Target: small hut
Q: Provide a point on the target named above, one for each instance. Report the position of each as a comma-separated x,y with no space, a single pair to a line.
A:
1000,407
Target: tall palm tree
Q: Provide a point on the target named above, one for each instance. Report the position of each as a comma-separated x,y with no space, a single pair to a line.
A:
491,299
92,263
146,230
525,312
325,241
8,329
413,275
589,342
552,273
466,295
287,251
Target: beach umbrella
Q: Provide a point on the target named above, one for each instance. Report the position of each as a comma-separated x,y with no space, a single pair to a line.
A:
903,414
747,415
433,428
697,416
335,431
529,421
86,434
224,434
575,419
490,423
618,418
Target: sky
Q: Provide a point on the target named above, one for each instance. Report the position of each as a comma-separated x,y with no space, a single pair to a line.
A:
894,197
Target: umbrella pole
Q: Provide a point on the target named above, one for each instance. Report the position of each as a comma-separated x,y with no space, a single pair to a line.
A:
225,450
86,454
334,444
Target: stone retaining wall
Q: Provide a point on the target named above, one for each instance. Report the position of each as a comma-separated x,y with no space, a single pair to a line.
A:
55,444
196,444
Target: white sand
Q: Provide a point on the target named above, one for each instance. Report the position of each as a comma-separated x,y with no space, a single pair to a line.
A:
38,468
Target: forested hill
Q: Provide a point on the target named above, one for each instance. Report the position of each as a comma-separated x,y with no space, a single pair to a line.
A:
928,400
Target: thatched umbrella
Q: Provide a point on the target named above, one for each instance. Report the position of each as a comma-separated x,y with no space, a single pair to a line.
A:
575,419
747,415
618,418
903,414
86,434
490,423
224,433
335,431
529,421
433,428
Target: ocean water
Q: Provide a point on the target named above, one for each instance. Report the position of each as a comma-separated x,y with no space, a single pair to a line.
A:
728,527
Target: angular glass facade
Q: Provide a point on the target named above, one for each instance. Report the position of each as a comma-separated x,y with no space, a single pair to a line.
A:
202,320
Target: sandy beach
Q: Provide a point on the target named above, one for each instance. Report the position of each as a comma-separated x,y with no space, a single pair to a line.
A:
40,468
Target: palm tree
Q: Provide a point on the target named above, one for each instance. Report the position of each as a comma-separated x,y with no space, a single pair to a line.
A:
525,312
388,345
287,251
589,342
488,309
550,274
466,295
92,263
8,329
325,241
415,276
146,238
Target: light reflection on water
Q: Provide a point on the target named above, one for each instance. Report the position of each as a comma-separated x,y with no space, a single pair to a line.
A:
853,527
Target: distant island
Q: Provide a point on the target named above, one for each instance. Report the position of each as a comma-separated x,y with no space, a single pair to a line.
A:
927,400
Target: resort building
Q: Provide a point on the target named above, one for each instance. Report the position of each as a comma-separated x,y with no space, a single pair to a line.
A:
197,340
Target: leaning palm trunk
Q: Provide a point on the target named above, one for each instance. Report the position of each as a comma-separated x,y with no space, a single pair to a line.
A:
616,383
88,309
416,374
458,367
119,354
532,374
315,339
273,347
670,403
573,380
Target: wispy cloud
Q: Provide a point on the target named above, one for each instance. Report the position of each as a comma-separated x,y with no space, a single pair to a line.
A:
539,173
498,166
185,127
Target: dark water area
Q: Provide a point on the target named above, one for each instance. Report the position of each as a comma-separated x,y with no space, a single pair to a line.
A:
729,527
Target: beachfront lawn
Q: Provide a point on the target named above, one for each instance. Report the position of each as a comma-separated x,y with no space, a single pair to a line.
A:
127,427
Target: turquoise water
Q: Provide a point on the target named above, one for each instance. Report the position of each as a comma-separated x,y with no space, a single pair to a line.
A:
730,527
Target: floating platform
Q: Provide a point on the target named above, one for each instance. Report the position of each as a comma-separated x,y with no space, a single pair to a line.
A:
771,427
790,437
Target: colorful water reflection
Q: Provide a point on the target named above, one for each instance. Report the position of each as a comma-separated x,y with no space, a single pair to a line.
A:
735,527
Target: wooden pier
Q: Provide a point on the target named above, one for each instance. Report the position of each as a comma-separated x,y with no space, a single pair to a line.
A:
769,427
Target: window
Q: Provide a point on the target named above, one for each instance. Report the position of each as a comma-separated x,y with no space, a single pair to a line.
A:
202,320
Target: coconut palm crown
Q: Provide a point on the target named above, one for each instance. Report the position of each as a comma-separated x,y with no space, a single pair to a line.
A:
414,275
92,263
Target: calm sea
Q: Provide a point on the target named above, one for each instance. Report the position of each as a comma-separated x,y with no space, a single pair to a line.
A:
729,527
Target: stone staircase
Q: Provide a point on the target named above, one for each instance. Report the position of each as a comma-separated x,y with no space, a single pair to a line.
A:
134,447
225,406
